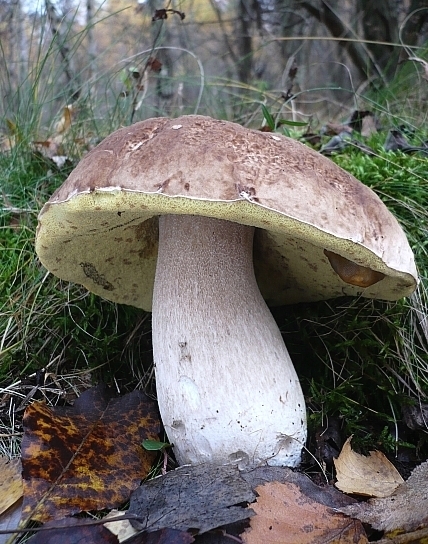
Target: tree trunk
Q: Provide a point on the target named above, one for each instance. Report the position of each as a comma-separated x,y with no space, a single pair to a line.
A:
90,37
380,24
336,25
245,42
412,31
61,36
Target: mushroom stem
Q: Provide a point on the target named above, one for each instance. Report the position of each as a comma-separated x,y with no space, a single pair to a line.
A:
226,386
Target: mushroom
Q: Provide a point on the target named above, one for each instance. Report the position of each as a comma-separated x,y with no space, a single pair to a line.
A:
202,221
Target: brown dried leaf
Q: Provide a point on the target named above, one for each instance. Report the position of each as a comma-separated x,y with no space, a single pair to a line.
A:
160,14
327,495
85,457
48,148
10,483
364,122
64,123
154,64
284,515
333,129
405,510
370,476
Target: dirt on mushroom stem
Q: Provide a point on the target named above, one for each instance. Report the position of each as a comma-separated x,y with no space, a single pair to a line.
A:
227,389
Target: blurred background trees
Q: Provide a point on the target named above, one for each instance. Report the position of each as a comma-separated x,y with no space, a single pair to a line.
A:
126,60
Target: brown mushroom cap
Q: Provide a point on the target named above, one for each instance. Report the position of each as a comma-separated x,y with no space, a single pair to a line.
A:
320,232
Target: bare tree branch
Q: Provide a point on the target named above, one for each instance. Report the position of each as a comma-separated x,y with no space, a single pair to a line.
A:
360,56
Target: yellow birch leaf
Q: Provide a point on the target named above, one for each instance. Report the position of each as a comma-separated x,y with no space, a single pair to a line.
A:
10,483
370,476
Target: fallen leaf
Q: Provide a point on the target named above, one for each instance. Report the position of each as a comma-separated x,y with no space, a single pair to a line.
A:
327,495
370,476
48,148
163,536
88,456
416,416
64,123
284,515
160,14
405,510
396,141
337,143
364,122
154,64
200,498
368,126
328,441
122,528
11,482
73,531
9,521
153,499
332,129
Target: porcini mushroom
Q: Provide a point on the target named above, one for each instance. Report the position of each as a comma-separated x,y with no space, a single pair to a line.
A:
170,215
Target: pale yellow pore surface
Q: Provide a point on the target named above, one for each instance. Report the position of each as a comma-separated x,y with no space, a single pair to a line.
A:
107,241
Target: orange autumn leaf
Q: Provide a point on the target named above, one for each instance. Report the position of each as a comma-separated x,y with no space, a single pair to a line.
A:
285,515
88,456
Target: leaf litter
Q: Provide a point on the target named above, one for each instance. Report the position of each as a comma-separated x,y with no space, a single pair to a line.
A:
285,515
88,456
11,491
197,498
205,498
405,510
73,531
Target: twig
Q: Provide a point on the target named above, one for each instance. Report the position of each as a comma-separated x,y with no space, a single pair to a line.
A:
406,538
